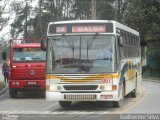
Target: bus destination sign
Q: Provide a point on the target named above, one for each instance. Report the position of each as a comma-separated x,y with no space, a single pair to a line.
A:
89,29
81,28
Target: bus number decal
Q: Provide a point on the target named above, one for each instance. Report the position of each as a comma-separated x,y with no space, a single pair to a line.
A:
106,80
61,29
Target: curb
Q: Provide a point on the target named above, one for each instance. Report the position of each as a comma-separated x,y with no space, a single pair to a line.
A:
4,90
147,80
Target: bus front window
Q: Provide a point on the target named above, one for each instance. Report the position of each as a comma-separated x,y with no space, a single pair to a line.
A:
82,54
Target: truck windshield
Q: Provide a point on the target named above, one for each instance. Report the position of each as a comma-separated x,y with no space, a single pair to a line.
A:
81,54
28,55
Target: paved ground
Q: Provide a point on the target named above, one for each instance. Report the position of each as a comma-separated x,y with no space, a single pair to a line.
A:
1,76
2,81
32,106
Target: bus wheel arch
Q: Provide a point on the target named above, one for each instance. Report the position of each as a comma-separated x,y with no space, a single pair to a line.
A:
134,92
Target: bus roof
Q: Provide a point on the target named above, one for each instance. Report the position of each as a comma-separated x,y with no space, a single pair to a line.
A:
26,45
115,23
81,21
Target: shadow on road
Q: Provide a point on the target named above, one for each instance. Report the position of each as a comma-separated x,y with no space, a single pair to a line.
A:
31,95
89,106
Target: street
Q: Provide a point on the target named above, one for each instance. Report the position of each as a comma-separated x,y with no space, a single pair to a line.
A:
34,106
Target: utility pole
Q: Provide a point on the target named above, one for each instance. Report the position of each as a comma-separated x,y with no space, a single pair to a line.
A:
116,8
93,10
25,26
40,17
119,11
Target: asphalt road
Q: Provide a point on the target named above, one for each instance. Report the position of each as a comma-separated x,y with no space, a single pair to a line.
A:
33,106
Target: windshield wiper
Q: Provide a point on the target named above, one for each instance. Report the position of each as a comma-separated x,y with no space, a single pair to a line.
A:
91,43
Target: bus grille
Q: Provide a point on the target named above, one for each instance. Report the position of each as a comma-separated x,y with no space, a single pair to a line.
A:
80,87
78,97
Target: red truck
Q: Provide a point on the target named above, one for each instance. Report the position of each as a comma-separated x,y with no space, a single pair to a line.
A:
27,67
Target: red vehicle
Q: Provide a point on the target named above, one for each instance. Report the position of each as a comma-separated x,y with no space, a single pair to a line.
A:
27,68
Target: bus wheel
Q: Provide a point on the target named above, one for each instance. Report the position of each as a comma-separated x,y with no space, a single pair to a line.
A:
13,93
65,104
134,92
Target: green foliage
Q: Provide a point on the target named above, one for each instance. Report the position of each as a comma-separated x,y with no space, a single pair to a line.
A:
22,17
153,57
105,10
81,9
154,53
144,16
2,86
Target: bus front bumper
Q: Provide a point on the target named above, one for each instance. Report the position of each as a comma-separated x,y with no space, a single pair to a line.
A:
102,96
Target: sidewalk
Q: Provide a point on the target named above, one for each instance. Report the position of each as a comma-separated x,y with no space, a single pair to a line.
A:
2,81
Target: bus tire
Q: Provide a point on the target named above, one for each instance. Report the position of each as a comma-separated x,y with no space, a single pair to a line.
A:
13,93
65,104
134,92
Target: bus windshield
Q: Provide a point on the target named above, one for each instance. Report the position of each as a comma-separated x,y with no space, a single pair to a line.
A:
82,54
28,55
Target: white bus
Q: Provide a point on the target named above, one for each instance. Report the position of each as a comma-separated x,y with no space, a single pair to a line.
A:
91,60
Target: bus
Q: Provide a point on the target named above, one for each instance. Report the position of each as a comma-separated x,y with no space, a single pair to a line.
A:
27,67
91,60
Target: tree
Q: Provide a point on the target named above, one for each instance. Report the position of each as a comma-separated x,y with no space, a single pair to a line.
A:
81,9
144,16
4,21
106,9
21,25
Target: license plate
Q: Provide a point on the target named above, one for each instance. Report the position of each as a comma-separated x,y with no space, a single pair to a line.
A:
32,83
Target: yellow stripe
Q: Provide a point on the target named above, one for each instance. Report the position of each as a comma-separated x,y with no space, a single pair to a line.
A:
130,62
131,73
86,79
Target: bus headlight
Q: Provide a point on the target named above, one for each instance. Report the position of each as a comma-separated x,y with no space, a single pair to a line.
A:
108,87
50,88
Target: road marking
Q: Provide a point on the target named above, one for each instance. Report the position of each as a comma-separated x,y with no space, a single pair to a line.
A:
57,112
139,99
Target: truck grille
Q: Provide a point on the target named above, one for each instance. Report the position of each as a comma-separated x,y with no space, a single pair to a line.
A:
80,97
80,87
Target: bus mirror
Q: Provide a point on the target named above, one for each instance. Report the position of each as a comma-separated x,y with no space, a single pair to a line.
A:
4,55
43,44
120,41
